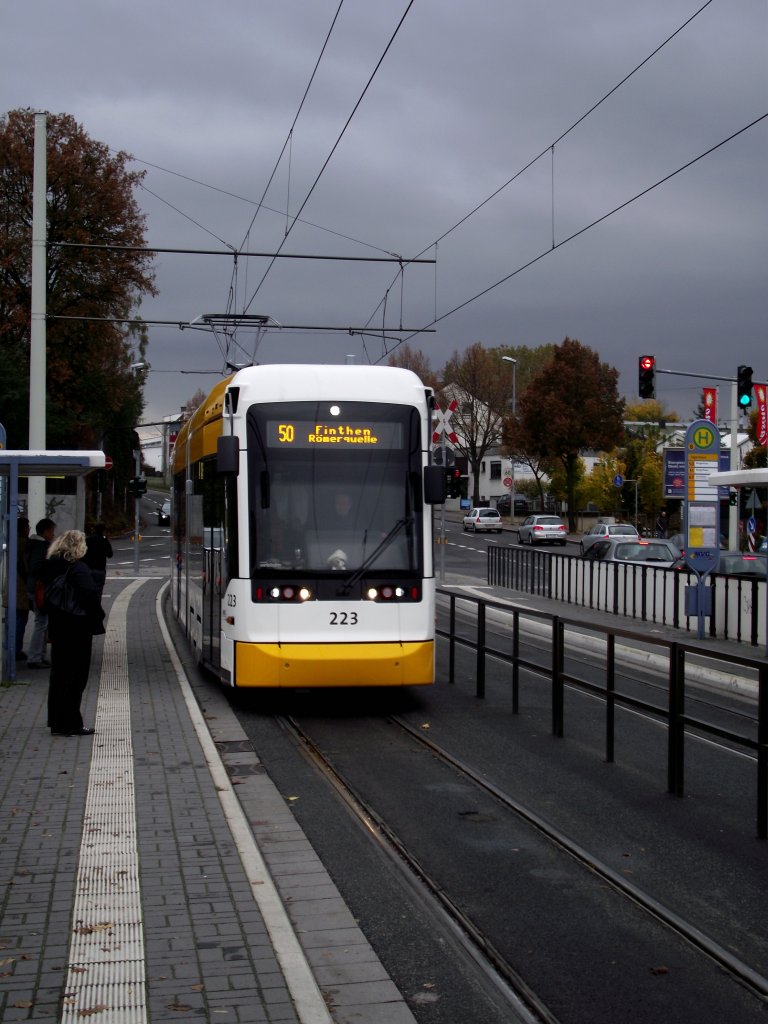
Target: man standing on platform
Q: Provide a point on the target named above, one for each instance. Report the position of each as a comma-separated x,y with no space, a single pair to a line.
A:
37,550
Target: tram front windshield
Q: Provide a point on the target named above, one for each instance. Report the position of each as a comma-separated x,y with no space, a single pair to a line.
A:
334,487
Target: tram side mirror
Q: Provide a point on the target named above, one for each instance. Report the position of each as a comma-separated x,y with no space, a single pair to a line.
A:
435,490
228,455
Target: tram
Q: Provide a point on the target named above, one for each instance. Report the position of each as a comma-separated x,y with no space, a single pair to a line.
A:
301,525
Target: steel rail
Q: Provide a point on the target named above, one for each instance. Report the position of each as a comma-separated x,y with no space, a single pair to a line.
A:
496,969
755,982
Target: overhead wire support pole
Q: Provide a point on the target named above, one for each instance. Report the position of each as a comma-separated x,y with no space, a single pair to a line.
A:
37,338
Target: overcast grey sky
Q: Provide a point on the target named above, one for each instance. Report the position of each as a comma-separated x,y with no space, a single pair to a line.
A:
203,96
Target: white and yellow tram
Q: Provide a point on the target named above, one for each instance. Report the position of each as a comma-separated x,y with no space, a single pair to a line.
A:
302,528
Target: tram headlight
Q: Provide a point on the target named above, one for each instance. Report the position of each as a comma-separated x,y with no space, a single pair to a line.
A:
390,592
288,592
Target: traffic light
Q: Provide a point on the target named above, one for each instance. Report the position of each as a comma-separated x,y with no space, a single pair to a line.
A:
646,386
453,482
744,387
732,498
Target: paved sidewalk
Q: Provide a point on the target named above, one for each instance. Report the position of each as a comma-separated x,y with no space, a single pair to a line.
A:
153,872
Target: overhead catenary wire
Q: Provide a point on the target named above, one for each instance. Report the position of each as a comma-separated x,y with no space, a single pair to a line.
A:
288,141
582,230
293,123
551,146
270,209
333,149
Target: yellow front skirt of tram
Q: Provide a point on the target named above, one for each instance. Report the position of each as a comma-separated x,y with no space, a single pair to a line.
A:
308,665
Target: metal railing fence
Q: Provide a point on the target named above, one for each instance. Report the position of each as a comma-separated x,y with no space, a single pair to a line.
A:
673,715
642,592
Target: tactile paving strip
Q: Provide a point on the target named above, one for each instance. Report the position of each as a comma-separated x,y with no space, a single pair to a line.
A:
106,975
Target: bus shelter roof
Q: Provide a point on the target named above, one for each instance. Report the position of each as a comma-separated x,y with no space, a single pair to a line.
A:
13,465
50,463
740,478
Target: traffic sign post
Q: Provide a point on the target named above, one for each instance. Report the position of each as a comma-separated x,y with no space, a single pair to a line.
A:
442,429
701,513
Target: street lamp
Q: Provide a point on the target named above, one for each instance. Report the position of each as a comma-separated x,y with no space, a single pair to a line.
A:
509,359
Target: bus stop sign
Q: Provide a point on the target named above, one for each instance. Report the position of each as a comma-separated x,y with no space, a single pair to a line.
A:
702,503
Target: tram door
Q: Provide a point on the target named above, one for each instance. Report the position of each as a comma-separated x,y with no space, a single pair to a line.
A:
212,601
213,575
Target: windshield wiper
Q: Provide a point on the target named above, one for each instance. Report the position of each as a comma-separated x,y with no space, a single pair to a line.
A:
384,544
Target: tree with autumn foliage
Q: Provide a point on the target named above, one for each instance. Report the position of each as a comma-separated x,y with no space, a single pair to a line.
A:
408,358
570,405
482,385
92,392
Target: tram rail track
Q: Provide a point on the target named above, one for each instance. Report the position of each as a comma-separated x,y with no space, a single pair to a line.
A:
526,1002
507,982
736,967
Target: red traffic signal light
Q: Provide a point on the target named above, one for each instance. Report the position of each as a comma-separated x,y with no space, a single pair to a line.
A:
646,385
453,482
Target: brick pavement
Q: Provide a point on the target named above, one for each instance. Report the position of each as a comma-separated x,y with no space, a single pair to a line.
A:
214,947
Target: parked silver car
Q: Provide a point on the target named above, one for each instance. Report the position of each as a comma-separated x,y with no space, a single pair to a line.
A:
660,553
601,530
542,529
482,519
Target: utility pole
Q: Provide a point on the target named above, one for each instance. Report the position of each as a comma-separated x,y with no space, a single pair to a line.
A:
37,340
136,511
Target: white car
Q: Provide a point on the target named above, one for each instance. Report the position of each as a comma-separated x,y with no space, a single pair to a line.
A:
542,529
483,519
601,530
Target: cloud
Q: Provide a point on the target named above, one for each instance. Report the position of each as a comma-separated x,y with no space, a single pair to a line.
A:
465,98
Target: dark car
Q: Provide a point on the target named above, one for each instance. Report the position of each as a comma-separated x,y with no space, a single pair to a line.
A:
164,514
504,503
746,564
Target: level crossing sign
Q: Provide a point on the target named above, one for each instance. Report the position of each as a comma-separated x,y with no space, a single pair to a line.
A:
442,423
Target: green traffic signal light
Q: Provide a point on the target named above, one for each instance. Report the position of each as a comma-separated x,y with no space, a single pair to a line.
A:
744,386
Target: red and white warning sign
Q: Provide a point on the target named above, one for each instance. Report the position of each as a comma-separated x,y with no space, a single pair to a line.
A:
442,423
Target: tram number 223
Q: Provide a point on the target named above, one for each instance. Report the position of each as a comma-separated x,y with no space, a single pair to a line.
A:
343,619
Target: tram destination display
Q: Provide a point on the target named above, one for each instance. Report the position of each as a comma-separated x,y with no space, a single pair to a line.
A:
354,434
